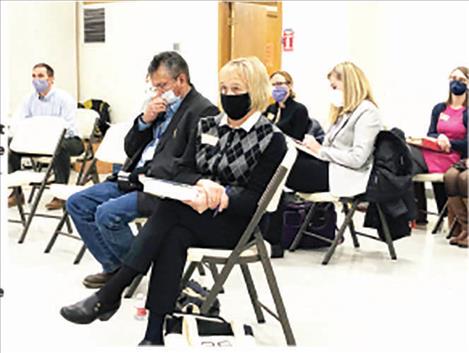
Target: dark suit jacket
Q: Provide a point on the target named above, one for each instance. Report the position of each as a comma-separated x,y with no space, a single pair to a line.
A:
173,148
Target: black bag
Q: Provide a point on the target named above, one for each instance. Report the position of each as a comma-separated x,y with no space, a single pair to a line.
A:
128,182
192,297
322,223
103,109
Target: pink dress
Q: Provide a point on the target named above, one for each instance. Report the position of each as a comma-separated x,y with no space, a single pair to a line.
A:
450,123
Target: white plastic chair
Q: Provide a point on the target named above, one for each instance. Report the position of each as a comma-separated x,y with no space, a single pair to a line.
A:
111,150
37,136
249,251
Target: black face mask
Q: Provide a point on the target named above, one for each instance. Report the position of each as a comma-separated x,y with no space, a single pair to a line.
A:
236,107
457,88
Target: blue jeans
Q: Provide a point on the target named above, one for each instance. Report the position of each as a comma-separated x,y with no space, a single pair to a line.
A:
101,215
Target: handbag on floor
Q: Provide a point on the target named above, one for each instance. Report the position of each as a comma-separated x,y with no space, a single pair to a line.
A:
192,297
322,223
188,330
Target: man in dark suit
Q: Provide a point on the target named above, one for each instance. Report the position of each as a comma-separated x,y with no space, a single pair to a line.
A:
156,145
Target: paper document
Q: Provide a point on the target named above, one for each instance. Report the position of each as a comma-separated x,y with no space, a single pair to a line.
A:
168,189
428,143
299,146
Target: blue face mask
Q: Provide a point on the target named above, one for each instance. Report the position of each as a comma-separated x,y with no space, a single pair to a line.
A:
457,88
279,93
40,85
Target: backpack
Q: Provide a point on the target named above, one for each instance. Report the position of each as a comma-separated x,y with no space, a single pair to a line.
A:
322,223
103,109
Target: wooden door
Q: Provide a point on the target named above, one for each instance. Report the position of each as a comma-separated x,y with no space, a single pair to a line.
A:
251,29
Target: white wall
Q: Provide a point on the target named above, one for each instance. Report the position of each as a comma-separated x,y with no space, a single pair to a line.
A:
39,31
115,70
407,49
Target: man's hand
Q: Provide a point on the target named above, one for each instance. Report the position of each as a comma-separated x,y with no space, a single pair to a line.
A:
156,106
199,204
310,142
443,142
214,192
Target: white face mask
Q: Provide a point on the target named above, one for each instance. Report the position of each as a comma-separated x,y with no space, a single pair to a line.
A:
170,97
337,98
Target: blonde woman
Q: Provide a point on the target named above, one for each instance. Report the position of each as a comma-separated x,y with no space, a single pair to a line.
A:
230,186
343,161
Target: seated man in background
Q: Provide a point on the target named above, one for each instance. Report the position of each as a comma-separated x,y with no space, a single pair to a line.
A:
155,145
51,101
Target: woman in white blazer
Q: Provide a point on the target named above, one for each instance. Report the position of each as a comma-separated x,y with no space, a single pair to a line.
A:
342,164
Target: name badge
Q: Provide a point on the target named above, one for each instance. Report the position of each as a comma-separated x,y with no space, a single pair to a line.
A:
208,139
443,117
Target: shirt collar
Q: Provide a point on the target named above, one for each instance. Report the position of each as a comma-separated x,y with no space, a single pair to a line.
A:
47,96
247,125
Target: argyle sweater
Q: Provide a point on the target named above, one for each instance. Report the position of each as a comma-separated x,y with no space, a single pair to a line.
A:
237,159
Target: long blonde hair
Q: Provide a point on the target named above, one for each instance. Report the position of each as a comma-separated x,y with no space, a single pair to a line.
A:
253,72
356,88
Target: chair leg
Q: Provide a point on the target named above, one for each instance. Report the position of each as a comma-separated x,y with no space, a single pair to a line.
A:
133,286
19,205
356,244
387,233
31,214
451,229
201,269
56,232
303,227
31,194
80,255
252,293
188,273
441,217
340,233
214,272
275,292
68,223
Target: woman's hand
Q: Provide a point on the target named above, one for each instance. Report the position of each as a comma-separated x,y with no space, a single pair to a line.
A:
213,191
443,142
310,142
199,204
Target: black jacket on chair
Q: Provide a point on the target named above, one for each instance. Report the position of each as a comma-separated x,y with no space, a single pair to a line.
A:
173,147
390,185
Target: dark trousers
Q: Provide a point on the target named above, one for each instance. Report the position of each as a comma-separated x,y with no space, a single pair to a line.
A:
419,188
70,147
163,241
309,175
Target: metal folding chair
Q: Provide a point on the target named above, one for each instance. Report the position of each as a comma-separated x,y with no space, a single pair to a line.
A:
250,249
34,137
349,206
111,150
433,178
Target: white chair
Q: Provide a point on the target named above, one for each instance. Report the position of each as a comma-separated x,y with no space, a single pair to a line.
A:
111,150
433,178
86,120
249,251
37,136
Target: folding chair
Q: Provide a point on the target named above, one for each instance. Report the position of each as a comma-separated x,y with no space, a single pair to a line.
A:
111,150
250,249
433,178
38,136
317,198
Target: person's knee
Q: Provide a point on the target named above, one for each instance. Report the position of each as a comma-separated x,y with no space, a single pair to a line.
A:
107,218
77,206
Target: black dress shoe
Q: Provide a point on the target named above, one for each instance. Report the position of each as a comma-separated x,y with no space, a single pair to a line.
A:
145,342
88,310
